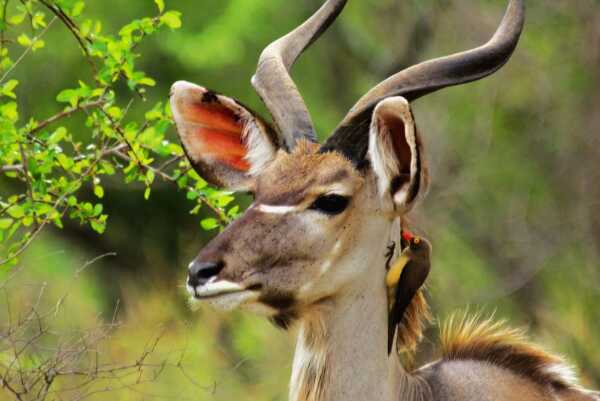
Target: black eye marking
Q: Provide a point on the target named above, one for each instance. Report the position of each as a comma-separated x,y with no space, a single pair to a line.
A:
330,204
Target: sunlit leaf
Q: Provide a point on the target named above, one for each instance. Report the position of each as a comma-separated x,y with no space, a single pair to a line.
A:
209,224
172,19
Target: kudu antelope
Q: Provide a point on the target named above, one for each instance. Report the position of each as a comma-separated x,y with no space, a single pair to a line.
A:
312,247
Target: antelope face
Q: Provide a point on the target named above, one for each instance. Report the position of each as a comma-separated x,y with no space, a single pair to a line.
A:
314,205
305,215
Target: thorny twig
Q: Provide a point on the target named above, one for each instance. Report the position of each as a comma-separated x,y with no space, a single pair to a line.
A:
74,358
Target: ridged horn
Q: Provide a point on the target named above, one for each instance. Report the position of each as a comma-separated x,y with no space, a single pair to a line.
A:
350,137
272,80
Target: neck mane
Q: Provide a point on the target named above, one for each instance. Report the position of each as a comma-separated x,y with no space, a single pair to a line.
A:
341,352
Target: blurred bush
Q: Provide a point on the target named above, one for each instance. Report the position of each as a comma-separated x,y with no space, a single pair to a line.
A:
513,213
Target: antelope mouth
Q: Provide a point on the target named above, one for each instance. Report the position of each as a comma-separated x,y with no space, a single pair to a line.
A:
201,297
223,294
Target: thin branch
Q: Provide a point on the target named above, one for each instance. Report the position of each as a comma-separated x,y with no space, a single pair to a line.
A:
27,50
72,27
45,123
7,386
11,168
19,167
37,230
66,113
25,171
168,178
169,162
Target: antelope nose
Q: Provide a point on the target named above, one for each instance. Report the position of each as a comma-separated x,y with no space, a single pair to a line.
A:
200,272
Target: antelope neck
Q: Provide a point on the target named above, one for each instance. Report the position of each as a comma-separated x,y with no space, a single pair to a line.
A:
341,352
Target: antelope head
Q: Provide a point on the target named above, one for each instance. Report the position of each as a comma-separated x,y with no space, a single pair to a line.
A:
322,213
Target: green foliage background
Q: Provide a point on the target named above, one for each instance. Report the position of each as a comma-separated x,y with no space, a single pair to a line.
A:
513,212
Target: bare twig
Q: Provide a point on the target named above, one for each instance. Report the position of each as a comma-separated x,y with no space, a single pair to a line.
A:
72,27
66,113
25,172
27,50
11,168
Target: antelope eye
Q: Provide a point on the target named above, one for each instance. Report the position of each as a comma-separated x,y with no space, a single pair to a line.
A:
330,204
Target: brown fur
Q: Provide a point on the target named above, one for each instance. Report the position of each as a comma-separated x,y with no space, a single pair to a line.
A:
298,177
470,338
410,331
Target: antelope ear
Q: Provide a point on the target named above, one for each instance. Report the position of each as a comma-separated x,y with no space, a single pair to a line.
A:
226,143
395,154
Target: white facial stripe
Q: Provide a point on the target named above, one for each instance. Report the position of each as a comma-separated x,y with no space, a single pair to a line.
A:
325,266
332,257
273,209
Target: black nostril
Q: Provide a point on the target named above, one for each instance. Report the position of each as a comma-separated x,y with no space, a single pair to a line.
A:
200,272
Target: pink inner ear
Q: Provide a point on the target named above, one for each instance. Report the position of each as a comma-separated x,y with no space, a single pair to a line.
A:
217,131
401,147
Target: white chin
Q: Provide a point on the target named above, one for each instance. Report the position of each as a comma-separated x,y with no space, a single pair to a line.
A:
222,294
232,301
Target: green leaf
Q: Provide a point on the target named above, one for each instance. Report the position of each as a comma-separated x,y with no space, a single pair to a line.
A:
98,209
57,136
172,19
161,5
9,111
98,226
17,19
150,175
77,8
99,191
147,81
7,88
65,161
107,167
38,20
24,40
5,223
68,96
192,195
115,112
234,211
16,211
209,224
38,44
224,200
147,193
27,221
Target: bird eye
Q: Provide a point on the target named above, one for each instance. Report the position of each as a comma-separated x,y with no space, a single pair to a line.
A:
330,204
